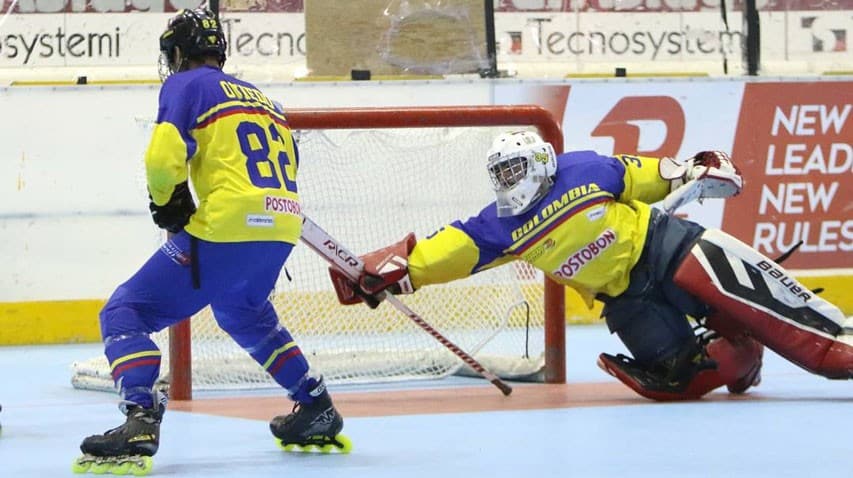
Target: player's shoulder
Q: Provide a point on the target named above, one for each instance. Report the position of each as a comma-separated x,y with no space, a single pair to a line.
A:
237,81
583,155
487,220
581,160
195,80
486,229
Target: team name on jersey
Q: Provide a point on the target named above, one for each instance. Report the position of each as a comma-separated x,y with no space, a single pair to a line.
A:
282,205
240,92
555,206
579,259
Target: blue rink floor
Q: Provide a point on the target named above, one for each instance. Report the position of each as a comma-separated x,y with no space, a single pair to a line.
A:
794,425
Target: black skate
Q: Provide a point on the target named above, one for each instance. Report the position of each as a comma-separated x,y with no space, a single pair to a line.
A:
126,449
312,427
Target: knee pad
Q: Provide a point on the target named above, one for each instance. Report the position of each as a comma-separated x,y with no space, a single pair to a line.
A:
118,317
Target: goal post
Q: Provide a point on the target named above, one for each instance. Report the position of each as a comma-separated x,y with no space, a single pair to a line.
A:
371,175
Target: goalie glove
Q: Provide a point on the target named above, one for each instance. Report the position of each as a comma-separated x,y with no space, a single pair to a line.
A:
708,174
385,270
175,214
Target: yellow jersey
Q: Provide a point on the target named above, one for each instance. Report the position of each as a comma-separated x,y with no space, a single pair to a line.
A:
587,233
236,147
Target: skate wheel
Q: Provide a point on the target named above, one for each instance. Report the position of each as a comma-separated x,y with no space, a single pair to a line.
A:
142,466
121,468
344,442
340,444
80,466
134,465
288,447
100,468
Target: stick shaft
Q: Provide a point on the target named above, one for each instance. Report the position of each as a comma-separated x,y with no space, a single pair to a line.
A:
351,265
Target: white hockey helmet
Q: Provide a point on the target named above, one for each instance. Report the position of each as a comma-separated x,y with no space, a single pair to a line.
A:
521,166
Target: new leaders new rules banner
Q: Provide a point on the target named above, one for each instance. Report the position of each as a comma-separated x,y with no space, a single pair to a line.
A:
791,140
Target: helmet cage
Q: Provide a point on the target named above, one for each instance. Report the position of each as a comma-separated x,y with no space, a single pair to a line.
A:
520,167
508,171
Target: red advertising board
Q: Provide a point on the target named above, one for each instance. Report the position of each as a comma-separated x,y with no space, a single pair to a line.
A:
794,145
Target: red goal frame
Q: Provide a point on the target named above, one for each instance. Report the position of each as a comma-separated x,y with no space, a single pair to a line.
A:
180,355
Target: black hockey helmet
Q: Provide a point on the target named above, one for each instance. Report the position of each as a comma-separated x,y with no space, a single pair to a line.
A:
198,34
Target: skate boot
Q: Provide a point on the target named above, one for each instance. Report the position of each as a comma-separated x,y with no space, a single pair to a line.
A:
126,449
313,426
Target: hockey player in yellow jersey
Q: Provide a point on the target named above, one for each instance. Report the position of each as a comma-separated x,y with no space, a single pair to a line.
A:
235,146
587,222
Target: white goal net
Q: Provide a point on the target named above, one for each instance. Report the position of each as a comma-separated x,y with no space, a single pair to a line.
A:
368,188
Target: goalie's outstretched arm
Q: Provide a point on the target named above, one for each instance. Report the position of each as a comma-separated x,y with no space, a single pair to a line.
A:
409,264
351,267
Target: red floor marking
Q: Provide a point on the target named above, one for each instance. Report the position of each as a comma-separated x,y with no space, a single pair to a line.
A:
445,400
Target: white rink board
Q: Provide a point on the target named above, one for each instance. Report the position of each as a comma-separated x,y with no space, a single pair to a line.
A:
67,187
73,210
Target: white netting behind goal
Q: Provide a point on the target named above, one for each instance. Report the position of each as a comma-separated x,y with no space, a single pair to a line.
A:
368,188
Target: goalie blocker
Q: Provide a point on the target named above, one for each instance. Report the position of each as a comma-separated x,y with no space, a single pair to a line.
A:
752,293
385,269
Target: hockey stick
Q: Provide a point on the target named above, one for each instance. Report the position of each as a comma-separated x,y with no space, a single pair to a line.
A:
687,192
711,182
351,265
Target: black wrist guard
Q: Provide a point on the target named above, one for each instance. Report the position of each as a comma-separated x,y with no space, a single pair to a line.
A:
175,214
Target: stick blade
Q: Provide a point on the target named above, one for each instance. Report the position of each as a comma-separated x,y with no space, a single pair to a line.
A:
502,386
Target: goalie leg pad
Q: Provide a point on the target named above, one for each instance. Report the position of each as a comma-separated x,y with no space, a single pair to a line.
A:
738,362
724,326
758,295
735,337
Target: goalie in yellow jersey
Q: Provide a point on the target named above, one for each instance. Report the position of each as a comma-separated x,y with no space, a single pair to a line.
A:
585,220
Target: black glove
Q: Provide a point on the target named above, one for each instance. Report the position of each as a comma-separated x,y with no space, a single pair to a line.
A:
175,214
